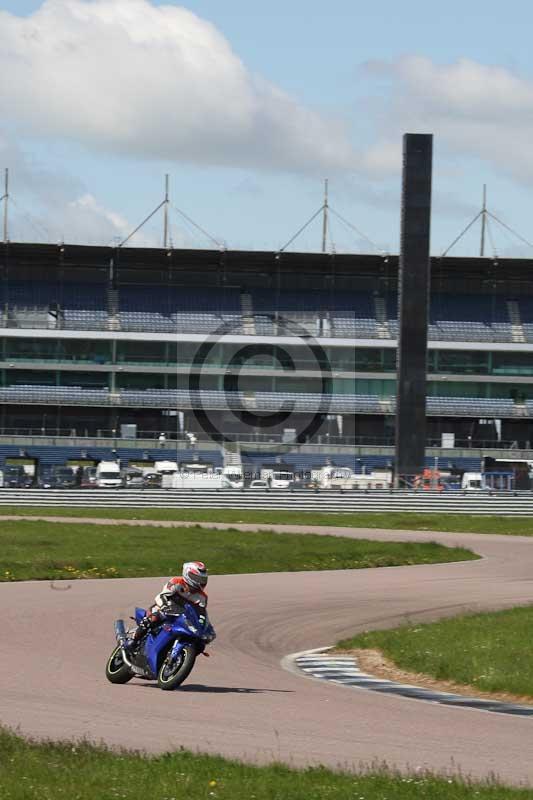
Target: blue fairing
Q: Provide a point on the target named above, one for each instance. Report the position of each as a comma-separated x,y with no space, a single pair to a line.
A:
156,645
191,626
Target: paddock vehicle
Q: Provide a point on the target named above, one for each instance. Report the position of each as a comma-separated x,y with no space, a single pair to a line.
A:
15,477
152,480
258,484
277,477
508,473
234,475
473,482
45,476
166,654
211,481
64,478
166,467
343,478
108,475
88,478
133,478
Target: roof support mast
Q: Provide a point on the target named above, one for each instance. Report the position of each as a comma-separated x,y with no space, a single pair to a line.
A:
325,208
5,198
483,221
165,215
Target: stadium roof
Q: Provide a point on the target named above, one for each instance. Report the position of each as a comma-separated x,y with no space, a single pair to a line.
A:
27,260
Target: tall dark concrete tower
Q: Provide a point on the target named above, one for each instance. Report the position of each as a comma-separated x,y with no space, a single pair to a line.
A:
413,303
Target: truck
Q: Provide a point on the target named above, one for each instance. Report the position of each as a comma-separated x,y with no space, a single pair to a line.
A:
108,475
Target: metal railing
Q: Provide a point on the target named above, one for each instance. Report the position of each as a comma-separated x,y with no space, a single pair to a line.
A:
515,504
251,437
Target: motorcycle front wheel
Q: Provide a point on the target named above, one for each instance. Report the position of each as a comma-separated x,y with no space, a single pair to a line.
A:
172,674
116,670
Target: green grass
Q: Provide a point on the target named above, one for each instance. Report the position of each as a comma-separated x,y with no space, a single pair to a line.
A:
489,651
46,550
49,771
453,523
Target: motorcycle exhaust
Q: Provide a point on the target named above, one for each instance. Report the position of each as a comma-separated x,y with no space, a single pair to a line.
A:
120,631
121,636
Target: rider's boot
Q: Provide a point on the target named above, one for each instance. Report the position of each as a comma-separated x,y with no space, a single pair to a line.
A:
139,633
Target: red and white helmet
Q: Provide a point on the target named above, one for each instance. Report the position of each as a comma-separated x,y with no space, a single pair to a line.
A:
195,574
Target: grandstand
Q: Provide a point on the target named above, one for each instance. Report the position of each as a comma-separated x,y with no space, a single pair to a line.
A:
95,338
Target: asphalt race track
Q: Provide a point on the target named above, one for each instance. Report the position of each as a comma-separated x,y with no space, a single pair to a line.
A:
241,702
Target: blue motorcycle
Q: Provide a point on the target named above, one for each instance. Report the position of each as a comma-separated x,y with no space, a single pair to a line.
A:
166,654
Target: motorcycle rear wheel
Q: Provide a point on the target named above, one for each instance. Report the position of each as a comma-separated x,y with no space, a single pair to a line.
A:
170,676
116,671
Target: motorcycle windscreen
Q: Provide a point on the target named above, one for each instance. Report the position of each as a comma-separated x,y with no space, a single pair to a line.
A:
196,617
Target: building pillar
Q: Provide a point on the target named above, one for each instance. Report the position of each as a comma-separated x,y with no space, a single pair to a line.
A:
413,305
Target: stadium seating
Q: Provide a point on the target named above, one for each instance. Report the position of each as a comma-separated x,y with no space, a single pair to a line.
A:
525,305
456,317
60,395
472,406
177,309
469,318
296,402
353,315
53,305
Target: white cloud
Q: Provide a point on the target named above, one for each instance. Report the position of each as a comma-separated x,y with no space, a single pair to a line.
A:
81,220
154,81
85,215
52,206
475,110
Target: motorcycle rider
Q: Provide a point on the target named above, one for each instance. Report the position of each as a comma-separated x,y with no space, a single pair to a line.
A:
187,588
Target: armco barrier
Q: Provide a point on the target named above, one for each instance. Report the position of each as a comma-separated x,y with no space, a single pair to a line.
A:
519,504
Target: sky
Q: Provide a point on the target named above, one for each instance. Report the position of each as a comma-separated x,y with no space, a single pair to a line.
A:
249,107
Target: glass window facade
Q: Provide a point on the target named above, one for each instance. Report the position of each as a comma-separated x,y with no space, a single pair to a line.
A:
459,362
154,353
83,350
287,362
512,363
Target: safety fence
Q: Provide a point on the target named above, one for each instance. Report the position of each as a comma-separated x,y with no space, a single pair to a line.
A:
501,503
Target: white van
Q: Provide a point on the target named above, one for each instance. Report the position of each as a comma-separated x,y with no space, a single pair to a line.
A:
277,478
473,482
234,476
108,475
165,467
